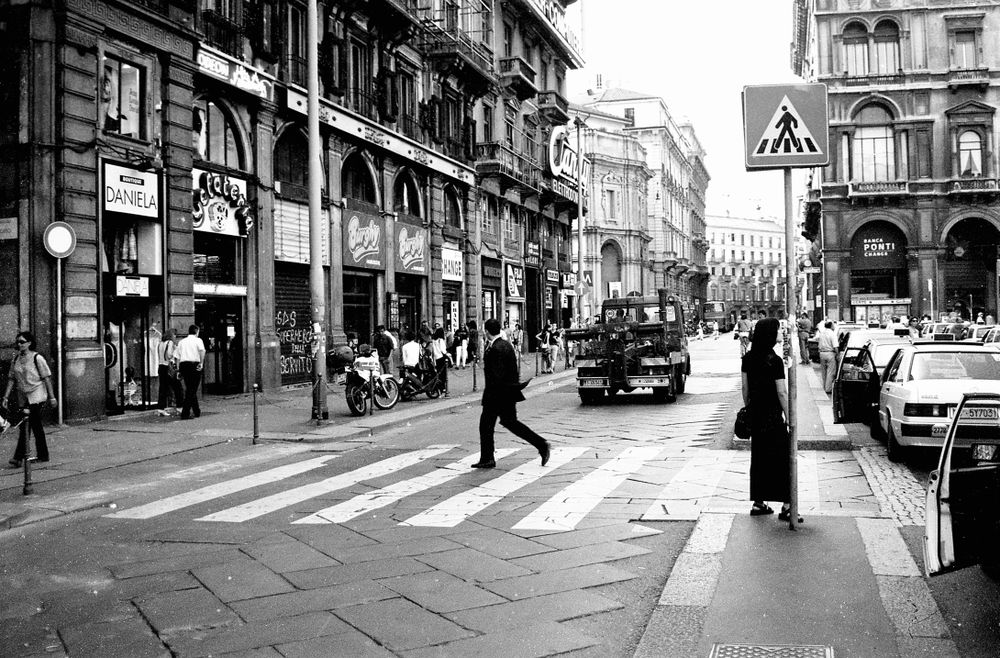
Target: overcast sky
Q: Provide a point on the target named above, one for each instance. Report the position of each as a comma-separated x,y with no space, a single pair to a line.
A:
697,56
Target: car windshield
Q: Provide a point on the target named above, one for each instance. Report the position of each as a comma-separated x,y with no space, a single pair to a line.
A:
955,365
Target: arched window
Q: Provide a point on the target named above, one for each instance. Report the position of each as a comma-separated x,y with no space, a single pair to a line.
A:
291,158
873,153
970,153
406,196
357,180
214,135
452,209
886,48
855,39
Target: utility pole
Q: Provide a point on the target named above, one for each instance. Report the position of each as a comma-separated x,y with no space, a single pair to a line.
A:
579,220
317,289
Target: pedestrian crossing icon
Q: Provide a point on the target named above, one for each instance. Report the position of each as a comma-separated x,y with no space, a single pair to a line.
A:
786,133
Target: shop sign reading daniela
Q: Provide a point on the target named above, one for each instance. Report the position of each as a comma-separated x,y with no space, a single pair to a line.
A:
131,192
411,249
218,65
220,204
364,241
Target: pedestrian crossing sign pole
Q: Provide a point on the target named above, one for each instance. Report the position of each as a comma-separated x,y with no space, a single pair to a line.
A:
787,127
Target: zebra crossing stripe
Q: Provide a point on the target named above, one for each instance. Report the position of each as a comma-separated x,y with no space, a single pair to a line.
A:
451,512
697,480
268,504
213,491
373,500
568,507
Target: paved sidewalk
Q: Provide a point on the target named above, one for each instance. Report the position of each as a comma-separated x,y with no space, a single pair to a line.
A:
283,416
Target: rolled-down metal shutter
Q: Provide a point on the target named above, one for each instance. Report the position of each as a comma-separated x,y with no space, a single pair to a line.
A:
292,321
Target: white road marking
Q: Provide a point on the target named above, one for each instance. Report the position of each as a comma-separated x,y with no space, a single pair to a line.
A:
568,507
689,491
451,512
277,501
373,500
213,491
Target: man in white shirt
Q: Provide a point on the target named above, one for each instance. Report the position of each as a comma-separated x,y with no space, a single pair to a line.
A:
826,341
190,355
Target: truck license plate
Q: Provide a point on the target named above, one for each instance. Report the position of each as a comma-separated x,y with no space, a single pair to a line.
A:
593,383
646,381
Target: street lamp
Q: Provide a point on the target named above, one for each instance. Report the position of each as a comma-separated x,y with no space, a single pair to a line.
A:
579,123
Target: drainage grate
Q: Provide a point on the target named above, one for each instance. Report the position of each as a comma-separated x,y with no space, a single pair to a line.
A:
770,651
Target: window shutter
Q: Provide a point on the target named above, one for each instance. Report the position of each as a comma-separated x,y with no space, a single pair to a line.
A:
470,138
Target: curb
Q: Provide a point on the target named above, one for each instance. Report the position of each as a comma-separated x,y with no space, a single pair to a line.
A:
804,444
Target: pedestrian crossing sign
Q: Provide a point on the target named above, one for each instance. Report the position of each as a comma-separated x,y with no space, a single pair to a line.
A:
785,126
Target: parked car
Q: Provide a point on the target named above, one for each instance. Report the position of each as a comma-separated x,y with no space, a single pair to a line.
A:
976,333
944,331
922,386
961,515
992,336
856,387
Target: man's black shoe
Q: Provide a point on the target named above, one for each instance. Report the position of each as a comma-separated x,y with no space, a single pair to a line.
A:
545,452
482,464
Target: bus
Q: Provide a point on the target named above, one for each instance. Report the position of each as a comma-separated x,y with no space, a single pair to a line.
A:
718,312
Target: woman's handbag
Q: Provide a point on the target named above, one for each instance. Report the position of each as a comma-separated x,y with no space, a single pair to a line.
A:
742,427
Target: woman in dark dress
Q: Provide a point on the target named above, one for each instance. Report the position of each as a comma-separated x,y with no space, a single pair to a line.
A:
766,400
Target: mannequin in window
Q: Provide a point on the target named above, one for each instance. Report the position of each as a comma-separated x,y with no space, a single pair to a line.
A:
109,117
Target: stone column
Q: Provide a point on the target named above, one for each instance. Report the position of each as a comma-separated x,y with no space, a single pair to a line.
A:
260,297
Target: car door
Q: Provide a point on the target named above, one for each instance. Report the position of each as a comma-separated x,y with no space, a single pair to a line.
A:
890,380
850,386
962,519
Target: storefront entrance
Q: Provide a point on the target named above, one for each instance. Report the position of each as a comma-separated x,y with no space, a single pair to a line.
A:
879,274
970,269
220,321
132,331
359,292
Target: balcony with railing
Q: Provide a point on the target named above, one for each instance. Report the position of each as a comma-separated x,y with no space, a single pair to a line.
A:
401,17
409,125
464,56
519,76
362,101
977,77
878,188
553,106
972,186
223,33
512,168
874,80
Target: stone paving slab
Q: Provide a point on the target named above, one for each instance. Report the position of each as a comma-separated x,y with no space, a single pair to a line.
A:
235,582
673,631
498,543
262,652
257,635
328,576
184,562
329,538
441,592
564,580
312,600
575,557
399,624
524,642
473,566
552,607
131,637
351,644
185,610
421,546
288,555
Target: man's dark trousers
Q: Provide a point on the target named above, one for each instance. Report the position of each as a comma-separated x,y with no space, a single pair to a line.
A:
506,412
192,377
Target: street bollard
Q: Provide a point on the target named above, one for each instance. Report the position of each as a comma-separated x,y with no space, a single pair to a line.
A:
371,392
256,424
536,363
474,362
26,462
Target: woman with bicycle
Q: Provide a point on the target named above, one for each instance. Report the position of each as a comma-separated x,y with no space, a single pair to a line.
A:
31,377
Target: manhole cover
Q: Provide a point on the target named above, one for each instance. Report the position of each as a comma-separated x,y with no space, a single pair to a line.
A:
770,651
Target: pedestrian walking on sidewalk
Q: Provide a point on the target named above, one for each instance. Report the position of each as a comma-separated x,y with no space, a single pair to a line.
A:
766,399
439,351
166,371
191,361
31,378
461,347
826,342
805,326
544,338
501,394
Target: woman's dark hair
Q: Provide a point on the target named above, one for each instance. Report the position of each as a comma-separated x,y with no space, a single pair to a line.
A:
765,335
439,333
28,336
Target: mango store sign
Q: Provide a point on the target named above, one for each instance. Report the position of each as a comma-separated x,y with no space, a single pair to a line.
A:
131,192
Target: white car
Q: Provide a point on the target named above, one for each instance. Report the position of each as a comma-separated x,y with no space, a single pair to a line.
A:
977,333
922,386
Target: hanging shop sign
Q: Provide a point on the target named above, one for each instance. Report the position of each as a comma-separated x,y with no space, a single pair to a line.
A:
220,204
563,161
237,74
878,245
568,280
515,282
548,297
132,286
364,241
131,192
492,273
411,249
533,254
552,276
452,265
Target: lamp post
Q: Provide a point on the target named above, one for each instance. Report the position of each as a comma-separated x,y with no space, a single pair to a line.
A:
579,123
317,289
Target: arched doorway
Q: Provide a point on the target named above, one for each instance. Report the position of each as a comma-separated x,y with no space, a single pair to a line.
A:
611,269
880,284
361,272
970,268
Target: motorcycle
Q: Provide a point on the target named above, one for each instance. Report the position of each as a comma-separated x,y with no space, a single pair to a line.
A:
422,379
366,381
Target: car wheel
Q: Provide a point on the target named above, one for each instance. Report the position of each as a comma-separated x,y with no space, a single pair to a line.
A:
681,379
894,451
588,398
660,395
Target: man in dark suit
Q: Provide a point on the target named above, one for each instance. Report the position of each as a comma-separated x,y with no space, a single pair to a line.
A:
501,394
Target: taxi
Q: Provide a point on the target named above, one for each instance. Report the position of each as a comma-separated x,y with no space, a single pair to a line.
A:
961,517
856,385
922,386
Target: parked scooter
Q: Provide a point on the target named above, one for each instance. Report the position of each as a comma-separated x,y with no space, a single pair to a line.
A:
422,379
366,381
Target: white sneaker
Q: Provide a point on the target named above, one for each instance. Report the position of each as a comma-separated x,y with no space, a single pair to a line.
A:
164,412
